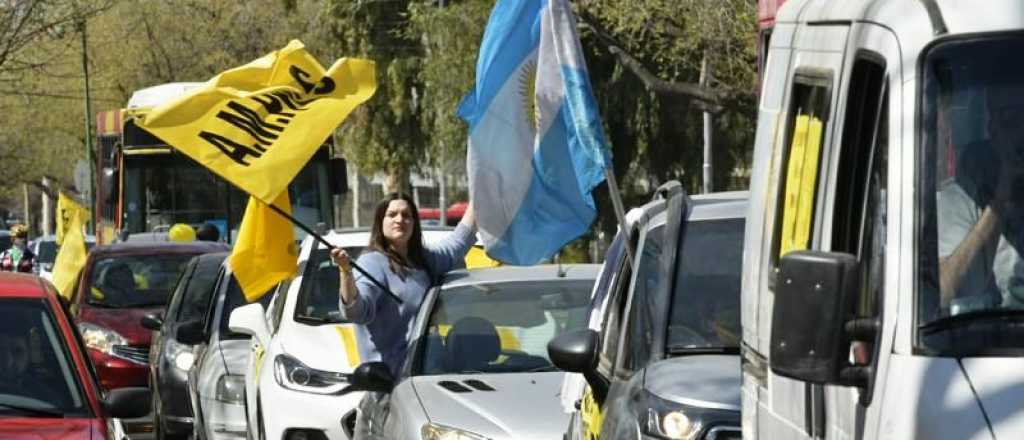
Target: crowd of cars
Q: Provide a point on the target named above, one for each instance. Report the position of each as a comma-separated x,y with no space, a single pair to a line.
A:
645,345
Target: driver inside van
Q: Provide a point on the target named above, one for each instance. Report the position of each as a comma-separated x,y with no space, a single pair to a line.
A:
981,212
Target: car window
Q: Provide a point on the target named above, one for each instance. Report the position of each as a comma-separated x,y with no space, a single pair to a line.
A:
234,299
40,377
318,296
501,327
639,328
178,294
280,296
705,308
612,322
199,289
135,280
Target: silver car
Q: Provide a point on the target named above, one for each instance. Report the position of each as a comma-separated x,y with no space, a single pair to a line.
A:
479,368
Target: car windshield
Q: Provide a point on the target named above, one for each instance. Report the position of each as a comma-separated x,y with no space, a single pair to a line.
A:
705,310
135,280
318,296
232,301
971,230
501,327
40,377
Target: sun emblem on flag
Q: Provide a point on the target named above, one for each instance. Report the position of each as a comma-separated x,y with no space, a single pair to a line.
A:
528,93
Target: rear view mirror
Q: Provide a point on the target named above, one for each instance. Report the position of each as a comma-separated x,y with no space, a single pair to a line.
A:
128,403
152,321
814,298
191,333
250,320
371,376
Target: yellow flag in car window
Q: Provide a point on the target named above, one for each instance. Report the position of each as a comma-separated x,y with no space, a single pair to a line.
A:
66,209
801,184
71,256
265,252
258,124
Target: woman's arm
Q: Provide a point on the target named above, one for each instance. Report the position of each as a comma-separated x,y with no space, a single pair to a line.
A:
357,298
450,253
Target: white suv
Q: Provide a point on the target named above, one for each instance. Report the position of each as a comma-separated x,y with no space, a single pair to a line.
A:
303,350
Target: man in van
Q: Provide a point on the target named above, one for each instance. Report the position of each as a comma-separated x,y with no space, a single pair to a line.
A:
981,212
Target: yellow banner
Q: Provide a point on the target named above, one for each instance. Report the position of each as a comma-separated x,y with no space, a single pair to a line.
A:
71,256
265,253
801,184
258,124
67,208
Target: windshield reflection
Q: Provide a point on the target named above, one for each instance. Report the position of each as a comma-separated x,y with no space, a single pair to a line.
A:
135,280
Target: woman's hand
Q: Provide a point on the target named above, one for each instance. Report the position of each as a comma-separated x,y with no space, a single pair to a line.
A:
340,258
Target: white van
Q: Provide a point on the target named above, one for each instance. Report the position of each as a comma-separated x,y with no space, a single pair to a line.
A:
883,290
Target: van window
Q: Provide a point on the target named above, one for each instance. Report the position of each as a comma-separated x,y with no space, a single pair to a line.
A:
611,329
807,124
970,231
639,328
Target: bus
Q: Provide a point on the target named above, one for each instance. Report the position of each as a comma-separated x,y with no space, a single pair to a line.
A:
143,185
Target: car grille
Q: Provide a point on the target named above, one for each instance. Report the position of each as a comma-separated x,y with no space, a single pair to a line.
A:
724,433
134,353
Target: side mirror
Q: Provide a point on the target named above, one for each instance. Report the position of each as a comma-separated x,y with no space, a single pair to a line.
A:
153,321
815,298
575,352
371,376
128,403
191,333
250,320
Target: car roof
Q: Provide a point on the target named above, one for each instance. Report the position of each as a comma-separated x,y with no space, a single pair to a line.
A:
167,247
500,274
20,285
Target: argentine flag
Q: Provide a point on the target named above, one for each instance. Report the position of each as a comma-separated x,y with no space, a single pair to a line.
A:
536,146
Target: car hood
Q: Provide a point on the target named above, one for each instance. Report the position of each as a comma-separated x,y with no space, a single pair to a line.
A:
126,322
235,353
998,386
321,346
522,405
709,381
47,428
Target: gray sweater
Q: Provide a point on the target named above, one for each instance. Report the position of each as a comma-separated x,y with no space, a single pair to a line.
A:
387,326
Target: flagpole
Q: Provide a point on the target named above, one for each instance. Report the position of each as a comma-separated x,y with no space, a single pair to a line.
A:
330,246
616,196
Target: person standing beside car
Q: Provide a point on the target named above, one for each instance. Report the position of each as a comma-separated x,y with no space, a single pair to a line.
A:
18,258
397,257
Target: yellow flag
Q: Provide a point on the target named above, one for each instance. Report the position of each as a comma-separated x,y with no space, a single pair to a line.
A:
265,252
258,124
66,209
71,256
801,183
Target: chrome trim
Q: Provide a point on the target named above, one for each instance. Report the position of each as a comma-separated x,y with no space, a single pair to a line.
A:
179,419
134,353
713,433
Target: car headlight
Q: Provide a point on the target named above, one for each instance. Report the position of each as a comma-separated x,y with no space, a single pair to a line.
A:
433,431
231,389
180,355
99,338
671,420
294,375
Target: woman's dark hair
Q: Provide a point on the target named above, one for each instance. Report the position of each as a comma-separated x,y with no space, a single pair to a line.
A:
379,243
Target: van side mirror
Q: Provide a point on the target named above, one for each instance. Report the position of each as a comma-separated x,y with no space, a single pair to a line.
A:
576,352
815,298
191,333
152,321
371,376
127,403
250,320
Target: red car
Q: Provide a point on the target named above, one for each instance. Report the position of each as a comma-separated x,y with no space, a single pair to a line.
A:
49,390
120,284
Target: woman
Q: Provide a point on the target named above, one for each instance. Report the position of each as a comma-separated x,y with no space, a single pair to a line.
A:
398,259
18,258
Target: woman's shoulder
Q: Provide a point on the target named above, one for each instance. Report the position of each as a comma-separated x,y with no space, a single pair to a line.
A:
372,256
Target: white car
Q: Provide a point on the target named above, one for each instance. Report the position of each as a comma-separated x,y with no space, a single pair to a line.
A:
304,350
45,248
216,382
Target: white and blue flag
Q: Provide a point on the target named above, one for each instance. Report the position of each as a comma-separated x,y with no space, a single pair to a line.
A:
536,146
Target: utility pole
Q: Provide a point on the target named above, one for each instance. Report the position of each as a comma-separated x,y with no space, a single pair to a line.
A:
89,156
705,78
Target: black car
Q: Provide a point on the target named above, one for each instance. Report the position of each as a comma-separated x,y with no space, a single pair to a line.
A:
171,354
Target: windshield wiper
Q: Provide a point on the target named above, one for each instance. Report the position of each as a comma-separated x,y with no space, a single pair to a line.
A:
681,350
33,411
951,321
